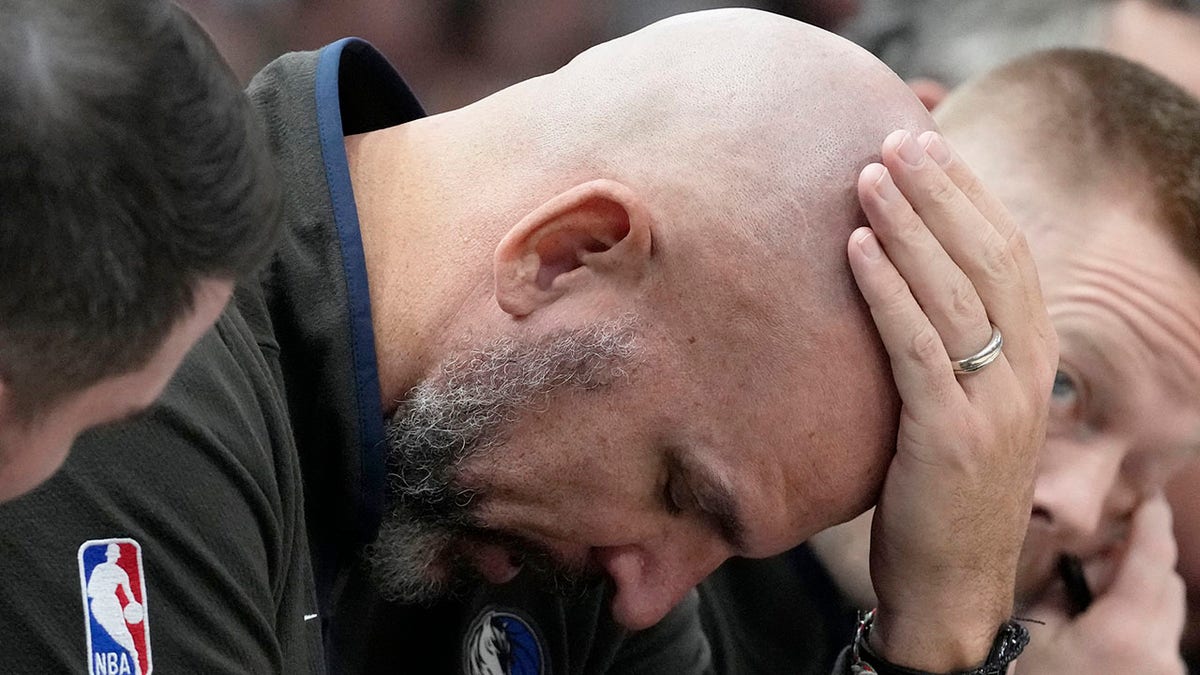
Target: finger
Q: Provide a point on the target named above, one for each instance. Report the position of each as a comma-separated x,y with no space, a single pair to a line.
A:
992,210
988,205
970,240
920,366
1150,532
1150,552
941,289
1158,609
1100,570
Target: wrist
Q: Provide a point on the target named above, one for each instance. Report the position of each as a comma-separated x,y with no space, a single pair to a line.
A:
933,643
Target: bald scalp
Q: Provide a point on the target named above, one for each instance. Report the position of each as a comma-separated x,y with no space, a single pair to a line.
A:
1071,124
756,119
746,129
743,134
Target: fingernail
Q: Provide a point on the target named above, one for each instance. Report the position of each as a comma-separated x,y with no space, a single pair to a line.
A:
909,151
885,187
936,148
869,245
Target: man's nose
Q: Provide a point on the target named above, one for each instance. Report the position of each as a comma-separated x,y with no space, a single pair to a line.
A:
1081,494
651,580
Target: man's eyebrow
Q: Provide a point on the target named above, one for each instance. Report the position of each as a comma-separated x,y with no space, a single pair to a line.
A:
715,499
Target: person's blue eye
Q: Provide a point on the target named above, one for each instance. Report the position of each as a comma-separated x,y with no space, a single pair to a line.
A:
1065,391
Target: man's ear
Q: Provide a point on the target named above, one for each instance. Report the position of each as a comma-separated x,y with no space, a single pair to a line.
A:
599,229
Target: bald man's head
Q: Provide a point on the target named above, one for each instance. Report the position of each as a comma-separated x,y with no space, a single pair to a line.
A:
742,133
652,300
739,121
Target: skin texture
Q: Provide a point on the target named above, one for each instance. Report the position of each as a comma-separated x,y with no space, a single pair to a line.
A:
694,176
30,452
1124,416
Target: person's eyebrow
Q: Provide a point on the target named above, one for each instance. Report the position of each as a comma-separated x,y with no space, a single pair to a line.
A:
715,499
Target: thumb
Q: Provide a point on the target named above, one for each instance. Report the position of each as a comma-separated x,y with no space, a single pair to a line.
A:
1149,552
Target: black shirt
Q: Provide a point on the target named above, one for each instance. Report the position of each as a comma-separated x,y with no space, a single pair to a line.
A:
777,615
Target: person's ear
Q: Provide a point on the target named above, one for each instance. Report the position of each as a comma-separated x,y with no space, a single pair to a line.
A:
930,92
597,230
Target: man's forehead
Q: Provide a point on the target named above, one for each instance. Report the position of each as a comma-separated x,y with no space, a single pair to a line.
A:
1136,335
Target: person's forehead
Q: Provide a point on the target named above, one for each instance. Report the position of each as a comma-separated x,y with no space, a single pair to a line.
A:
1129,300
1128,262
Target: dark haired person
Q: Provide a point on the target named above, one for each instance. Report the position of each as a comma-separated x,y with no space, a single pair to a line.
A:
135,188
594,334
1099,160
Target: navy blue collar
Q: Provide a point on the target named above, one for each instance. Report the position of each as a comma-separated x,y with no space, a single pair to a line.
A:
357,91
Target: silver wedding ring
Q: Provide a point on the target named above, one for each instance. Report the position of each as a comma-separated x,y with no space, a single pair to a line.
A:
981,358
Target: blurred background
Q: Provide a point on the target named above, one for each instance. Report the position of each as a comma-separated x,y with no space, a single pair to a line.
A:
453,52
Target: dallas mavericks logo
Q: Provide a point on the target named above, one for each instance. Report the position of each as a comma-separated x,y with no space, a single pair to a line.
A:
502,643
114,607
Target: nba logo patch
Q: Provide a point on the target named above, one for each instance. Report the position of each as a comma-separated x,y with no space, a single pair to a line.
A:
114,607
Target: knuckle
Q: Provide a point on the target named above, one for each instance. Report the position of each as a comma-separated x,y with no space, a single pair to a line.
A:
1017,243
964,300
903,223
943,193
998,263
925,346
894,297
909,225
973,188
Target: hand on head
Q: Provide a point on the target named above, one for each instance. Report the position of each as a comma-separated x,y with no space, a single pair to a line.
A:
941,264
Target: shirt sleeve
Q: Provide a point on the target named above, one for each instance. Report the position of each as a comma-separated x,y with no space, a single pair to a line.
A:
208,487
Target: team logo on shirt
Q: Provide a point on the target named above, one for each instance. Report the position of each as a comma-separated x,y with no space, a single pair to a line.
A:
501,643
114,607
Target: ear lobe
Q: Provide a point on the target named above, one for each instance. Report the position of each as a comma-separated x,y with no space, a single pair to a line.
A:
596,230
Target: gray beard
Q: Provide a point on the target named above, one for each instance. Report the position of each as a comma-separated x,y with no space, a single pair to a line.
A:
466,409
